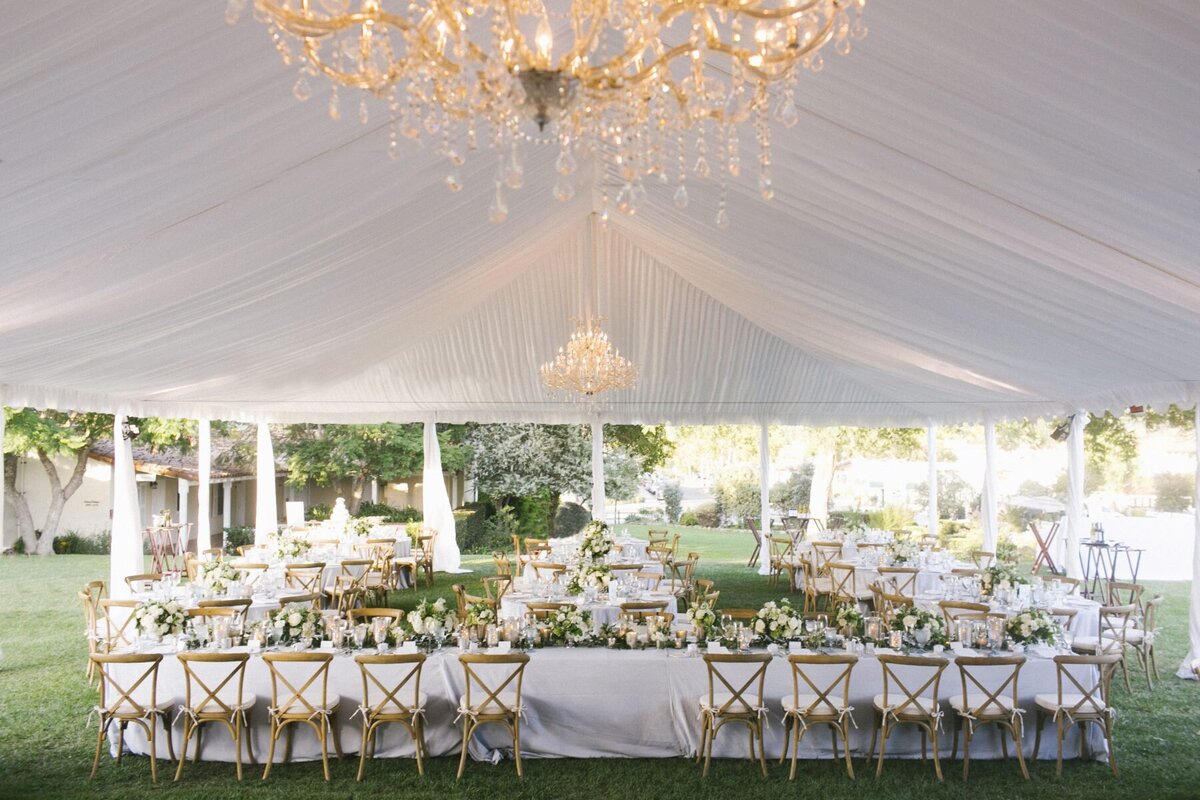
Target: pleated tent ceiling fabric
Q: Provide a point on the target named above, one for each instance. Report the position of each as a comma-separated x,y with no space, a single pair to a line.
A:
986,210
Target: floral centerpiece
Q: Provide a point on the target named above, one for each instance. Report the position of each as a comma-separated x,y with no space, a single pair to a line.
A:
159,618
903,551
217,576
596,542
1032,627
919,628
429,619
480,614
702,617
290,620
584,575
285,547
849,620
999,576
778,622
358,526
570,625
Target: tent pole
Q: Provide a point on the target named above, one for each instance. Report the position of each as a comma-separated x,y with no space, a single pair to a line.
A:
266,511
1185,669
931,448
204,489
1076,519
764,488
126,548
988,501
598,500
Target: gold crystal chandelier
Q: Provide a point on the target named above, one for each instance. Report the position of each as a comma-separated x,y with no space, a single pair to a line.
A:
589,364
657,89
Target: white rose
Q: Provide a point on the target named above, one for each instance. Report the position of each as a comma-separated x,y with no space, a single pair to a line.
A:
294,619
910,621
760,626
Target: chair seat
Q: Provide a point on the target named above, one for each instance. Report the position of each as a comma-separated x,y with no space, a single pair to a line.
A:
509,699
1090,644
392,709
1049,702
1001,707
804,702
129,710
248,701
910,711
719,701
300,711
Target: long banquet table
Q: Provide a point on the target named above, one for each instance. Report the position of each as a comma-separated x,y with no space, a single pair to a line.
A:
593,702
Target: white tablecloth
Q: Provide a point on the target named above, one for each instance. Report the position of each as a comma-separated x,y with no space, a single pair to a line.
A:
591,702
604,612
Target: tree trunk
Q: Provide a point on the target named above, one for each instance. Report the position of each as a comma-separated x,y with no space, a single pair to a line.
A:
20,505
356,492
555,498
60,493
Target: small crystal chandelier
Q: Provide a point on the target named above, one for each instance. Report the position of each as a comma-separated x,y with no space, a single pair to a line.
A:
589,364
657,88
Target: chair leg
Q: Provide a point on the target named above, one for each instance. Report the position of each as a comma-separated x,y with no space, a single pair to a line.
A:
762,748
845,726
883,735
153,753
187,735
1112,751
708,750
1016,730
966,752
324,748
420,745
937,760
1059,730
120,742
1037,736
1004,747
462,760
248,735
271,749
335,733
362,748
516,729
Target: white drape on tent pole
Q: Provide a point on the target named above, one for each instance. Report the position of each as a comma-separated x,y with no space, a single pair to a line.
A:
931,446
598,499
987,500
764,486
1076,518
126,547
266,509
1185,669
435,506
204,488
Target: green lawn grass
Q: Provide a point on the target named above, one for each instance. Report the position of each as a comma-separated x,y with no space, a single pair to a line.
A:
46,743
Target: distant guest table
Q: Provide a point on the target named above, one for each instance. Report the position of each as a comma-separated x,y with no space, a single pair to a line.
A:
604,611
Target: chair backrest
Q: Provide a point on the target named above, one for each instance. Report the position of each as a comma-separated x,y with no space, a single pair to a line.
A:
215,553
823,553
533,547
659,552
1070,584
735,682
752,525
253,571
314,600
299,683
1114,620
516,543
902,579
740,614
1150,613
425,546
1085,689
911,684
844,581
241,606
132,693
96,590
391,683
1124,593
649,580
139,583
886,602
393,614
1065,617
212,613
489,679
117,615
547,570
954,610
545,610
657,536
781,547
503,565
213,682
495,586
625,567
638,611
306,577
356,569
983,558
242,549
989,684
826,678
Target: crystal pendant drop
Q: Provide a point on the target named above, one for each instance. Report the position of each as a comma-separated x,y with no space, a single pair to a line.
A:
453,181
765,187
702,169
335,108
722,218
498,210
233,11
301,90
514,174
565,163
786,112
681,197
625,200
364,113
563,190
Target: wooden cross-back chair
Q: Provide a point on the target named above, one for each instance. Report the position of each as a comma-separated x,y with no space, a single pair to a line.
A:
1045,542
306,576
983,558
989,696
93,592
131,699
739,699
823,553
141,581
1084,701
903,580
214,693
886,601
240,606
752,525
638,612
547,570
496,586
901,705
845,589
545,610
503,565
119,628
683,573
823,703
488,699
391,694
253,572
782,549
1141,636
954,610
313,600
1115,621
300,696
1124,593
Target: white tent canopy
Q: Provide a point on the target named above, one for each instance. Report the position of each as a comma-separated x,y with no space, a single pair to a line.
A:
990,209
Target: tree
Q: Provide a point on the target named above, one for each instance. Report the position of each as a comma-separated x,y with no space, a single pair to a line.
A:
834,446
1173,492
793,493
358,453
52,434
649,442
956,498
672,496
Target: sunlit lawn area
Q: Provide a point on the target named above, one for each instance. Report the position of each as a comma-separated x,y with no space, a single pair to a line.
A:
46,742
